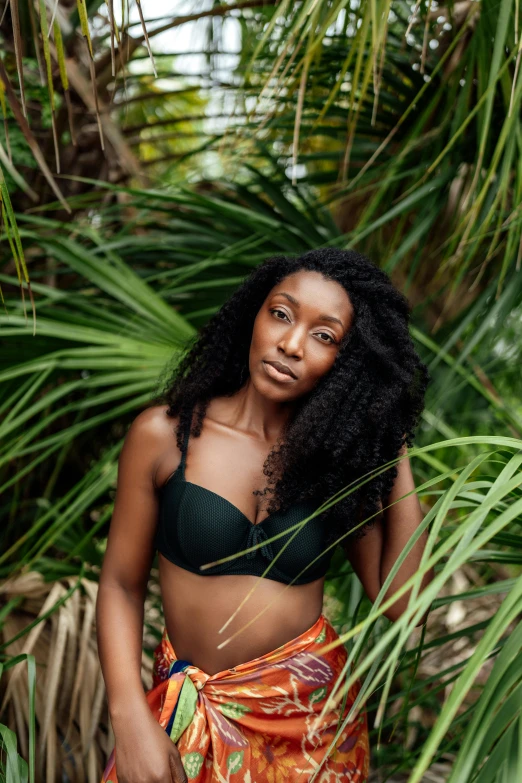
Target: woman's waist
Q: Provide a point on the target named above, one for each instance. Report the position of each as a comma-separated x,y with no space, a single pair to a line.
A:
266,646
226,623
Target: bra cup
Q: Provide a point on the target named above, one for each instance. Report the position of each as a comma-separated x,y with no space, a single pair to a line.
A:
166,540
211,529
197,526
305,543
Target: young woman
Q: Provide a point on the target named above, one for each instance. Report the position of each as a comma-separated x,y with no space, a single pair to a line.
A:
304,381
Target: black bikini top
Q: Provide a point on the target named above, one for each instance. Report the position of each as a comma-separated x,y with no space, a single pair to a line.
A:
197,526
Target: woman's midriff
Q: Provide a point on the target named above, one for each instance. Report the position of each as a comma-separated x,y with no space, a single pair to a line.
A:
196,607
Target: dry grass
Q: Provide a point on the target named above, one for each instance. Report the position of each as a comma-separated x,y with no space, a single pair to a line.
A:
73,735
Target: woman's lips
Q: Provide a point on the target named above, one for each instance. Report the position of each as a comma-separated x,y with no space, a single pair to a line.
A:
282,377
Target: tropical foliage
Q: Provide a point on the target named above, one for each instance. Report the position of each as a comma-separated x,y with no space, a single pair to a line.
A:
394,128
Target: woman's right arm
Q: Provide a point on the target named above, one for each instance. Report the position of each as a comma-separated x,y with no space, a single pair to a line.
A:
144,751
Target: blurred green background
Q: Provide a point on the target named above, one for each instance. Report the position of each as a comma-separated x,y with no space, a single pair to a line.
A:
150,155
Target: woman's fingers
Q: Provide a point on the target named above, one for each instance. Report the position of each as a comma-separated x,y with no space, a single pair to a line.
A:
177,770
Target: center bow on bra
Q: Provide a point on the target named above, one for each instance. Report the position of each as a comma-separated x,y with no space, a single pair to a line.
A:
257,536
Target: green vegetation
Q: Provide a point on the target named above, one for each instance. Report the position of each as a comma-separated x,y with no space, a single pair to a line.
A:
391,127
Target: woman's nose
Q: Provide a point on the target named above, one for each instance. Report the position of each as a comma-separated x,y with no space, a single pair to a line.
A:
292,343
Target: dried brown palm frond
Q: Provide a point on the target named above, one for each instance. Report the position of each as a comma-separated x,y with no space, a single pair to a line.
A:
73,733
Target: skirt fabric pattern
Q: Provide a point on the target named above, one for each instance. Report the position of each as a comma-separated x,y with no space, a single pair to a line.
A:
254,723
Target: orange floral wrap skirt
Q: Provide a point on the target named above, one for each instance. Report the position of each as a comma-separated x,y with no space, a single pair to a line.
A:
254,723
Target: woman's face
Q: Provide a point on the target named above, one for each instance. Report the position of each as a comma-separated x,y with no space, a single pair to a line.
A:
298,328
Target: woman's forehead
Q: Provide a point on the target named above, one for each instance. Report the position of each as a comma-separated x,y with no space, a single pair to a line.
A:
310,289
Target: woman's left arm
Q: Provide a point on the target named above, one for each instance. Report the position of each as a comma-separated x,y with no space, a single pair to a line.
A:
373,556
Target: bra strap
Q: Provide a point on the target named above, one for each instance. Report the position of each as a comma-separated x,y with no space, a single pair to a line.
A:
186,436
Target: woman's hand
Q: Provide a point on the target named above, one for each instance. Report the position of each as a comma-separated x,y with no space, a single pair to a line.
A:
146,754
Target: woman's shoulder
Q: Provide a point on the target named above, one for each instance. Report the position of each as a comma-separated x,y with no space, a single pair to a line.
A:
151,442
154,424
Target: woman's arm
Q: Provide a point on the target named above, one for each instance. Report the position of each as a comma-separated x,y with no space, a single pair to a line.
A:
126,568
144,752
373,556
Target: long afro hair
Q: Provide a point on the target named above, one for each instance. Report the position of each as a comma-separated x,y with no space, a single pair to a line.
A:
357,417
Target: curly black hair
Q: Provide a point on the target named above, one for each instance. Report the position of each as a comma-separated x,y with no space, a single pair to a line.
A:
356,418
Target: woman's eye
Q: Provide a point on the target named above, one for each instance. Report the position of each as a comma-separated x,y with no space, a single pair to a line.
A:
325,334
275,310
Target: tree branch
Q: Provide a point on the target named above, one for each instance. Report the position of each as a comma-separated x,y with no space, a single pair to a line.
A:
129,44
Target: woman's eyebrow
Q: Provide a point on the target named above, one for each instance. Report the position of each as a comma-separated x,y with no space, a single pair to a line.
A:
323,317
288,296
331,318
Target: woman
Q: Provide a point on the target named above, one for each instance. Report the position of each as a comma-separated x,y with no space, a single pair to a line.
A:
306,377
